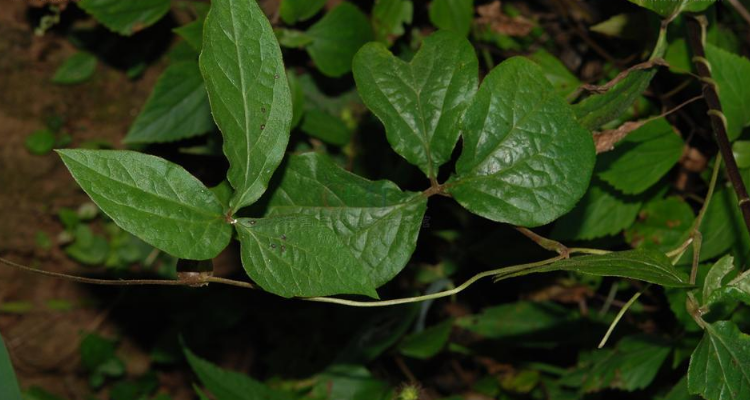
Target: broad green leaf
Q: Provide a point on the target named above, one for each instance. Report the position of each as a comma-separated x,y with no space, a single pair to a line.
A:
376,221
669,8
176,109
249,94
421,102
8,385
716,276
389,18
643,265
337,37
292,11
453,15
598,109
662,225
718,287
525,159
732,75
642,158
520,322
741,150
192,33
230,385
126,17
720,366
601,212
153,199
299,256
40,142
350,382
556,72
78,68
427,343
324,126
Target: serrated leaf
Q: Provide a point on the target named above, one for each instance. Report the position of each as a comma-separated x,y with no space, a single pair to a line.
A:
420,103
299,256
153,199
176,109
292,11
662,225
732,74
376,221
598,109
78,68
192,33
601,212
642,158
249,94
453,15
720,365
642,264
337,37
8,384
525,159
126,17
389,18
230,385
427,343
556,72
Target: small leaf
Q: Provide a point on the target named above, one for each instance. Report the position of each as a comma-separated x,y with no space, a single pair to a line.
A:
319,124
337,37
642,158
8,384
720,365
663,225
350,382
525,159
556,72
643,265
249,94
715,277
420,103
292,11
427,343
192,33
389,18
601,212
40,142
126,17
453,15
298,256
153,199
230,385
598,109
717,288
78,68
376,221
672,7
176,109
731,73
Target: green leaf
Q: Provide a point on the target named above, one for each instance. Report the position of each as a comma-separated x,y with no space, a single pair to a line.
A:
427,343
299,256
556,72
722,228
389,18
663,225
598,109
40,142
720,366
672,7
378,334
715,277
376,221
421,102
292,11
642,158
643,265
78,68
126,17
230,385
453,15
192,33
337,37
37,393
601,212
717,287
741,150
153,199
525,159
88,248
176,109
732,74
298,97
8,384
350,382
324,126
249,94
292,38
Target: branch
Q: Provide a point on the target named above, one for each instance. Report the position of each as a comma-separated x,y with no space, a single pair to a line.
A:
696,38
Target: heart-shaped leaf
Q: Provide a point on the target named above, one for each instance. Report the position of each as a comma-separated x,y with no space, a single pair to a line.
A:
377,222
153,199
420,103
249,94
525,159
298,256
